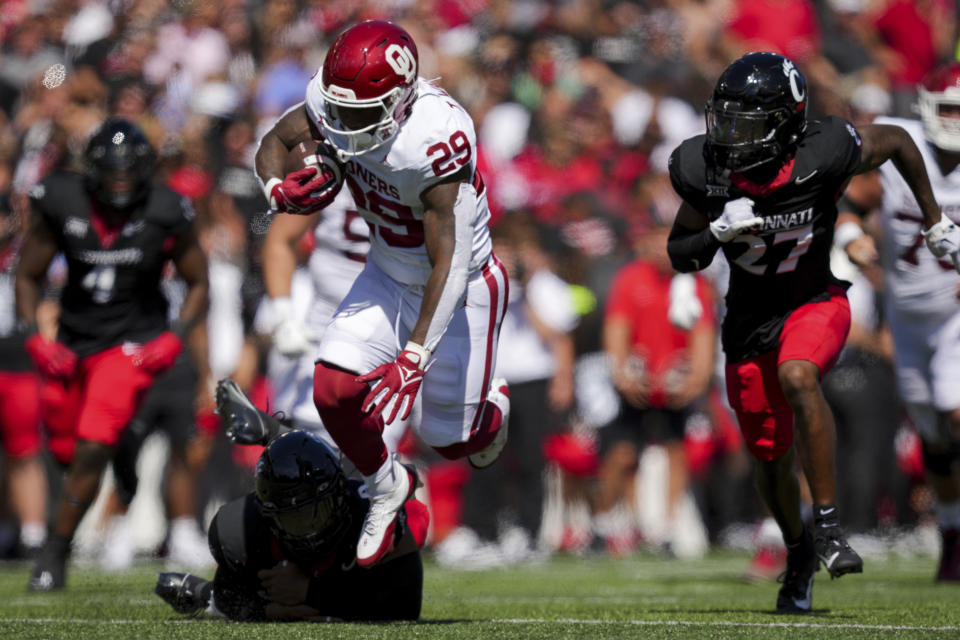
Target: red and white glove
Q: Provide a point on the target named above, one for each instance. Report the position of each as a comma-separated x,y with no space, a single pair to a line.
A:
159,354
52,358
304,191
399,380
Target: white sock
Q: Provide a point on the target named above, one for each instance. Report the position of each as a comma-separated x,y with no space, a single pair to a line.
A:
33,534
184,525
384,479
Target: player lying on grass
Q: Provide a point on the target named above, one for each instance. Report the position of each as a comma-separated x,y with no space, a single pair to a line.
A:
287,551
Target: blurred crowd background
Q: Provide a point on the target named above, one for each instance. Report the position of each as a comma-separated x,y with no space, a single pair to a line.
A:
577,106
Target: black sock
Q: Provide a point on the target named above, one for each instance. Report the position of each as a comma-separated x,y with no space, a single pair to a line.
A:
825,516
58,546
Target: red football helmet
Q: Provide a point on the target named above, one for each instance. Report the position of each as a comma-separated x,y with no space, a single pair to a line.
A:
939,100
368,82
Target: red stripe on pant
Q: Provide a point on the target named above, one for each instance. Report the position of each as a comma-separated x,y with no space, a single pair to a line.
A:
487,420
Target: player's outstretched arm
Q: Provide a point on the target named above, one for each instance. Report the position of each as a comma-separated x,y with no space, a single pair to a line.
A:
290,337
890,142
39,248
882,142
191,264
448,239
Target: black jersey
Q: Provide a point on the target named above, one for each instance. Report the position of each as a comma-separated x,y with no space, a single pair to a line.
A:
243,543
112,294
785,264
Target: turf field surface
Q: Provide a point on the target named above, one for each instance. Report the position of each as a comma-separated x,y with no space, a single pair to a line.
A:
563,597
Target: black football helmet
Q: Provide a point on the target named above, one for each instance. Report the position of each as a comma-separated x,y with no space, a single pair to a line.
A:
758,112
302,490
119,164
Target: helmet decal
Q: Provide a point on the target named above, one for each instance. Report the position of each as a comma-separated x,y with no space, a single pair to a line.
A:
402,62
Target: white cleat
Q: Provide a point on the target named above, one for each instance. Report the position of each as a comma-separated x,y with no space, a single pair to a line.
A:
499,395
376,538
188,548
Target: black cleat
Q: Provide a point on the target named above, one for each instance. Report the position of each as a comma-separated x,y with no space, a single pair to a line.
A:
49,573
186,593
244,423
835,552
796,594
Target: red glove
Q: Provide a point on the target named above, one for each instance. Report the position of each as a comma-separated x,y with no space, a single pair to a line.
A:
400,378
305,191
53,358
159,354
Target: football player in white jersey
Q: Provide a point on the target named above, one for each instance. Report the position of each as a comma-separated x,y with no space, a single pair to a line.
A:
302,302
428,304
923,294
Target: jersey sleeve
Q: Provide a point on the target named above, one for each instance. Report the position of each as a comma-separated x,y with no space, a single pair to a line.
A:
687,172
839,146
40,201
449,143
172,211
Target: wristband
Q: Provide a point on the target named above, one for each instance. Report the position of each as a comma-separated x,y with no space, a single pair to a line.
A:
421,351
846,233
268,191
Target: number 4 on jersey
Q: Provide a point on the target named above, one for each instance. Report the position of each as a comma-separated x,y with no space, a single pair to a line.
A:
99,282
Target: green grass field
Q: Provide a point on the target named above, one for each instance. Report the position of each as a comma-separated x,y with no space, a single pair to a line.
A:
565,597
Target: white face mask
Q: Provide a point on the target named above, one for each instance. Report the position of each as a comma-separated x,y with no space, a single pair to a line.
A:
942,130
354,142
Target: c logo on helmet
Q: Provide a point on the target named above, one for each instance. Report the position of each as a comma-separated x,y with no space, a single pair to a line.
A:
795,85
402,62
793,76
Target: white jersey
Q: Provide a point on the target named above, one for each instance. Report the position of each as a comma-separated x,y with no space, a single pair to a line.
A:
917,283
342,243
434,142
8,316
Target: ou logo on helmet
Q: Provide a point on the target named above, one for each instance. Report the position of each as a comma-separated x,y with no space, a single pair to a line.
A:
402,62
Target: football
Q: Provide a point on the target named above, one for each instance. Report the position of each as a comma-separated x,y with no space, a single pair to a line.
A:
302,155
315,153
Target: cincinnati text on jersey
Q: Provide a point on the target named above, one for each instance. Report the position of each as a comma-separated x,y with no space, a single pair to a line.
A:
787,220
132,255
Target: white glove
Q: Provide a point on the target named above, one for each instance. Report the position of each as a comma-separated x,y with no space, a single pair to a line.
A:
685,308
943,239
737,217
290,337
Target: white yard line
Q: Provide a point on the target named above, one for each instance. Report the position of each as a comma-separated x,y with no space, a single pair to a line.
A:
639,623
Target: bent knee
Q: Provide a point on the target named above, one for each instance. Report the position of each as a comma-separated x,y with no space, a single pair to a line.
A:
798,378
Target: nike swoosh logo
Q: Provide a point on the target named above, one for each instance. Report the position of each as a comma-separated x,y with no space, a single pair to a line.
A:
824,512
830,560
806,177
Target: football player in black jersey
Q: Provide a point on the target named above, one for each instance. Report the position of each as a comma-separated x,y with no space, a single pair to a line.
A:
116,229
762,185
287,551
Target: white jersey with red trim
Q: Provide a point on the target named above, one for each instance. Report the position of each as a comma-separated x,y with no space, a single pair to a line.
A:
342,243
917,283
435,141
